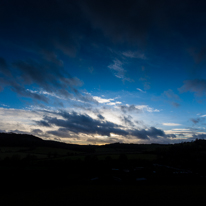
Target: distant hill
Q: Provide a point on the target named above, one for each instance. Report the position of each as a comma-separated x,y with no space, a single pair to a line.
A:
26,140
13,140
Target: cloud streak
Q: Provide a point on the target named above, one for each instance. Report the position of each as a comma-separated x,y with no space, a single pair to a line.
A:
171,124
137,108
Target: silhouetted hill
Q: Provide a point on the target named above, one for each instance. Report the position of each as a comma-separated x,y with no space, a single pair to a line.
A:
13,140
26,140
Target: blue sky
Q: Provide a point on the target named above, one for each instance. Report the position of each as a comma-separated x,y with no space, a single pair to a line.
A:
98,72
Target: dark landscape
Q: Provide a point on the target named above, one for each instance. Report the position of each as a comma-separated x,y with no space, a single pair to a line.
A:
102,102
31,166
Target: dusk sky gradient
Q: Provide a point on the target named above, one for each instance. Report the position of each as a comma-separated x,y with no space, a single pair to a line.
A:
103,71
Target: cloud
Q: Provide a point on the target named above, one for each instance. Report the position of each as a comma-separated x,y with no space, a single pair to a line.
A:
18,131
197,120
77,124
199,54
105,140
141,90
119,72
64,26
137,108
4,67
199,136
198,86
175,104
100,116
37,132
180,129
61,132
130,20
4,105
106,101
147,85
127,120
137,55
43,123
171,124
102,100
50,79
129,108
82,123
171,95
146,108
152,132
20,90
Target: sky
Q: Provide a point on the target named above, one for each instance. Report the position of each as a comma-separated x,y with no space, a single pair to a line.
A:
106,71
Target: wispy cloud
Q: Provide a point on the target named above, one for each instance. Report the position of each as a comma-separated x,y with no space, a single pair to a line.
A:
197,120
131,54
141,90
137,108
171,95
119,72
175,104
4,105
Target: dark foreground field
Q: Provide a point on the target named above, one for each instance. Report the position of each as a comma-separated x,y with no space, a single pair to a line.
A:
37,172
109,195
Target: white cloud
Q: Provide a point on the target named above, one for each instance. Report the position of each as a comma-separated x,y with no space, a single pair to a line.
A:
112,103
106,101
171,124
141,90
146,108
102,100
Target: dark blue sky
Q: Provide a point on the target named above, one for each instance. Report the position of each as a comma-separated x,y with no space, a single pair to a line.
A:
96,72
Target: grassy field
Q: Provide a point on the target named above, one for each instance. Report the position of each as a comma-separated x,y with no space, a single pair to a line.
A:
148,157
38,152
58,153
108,195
